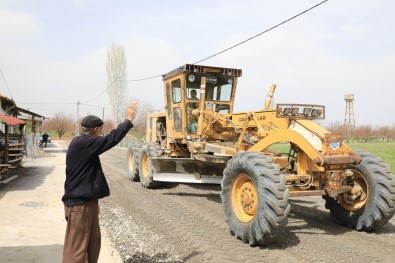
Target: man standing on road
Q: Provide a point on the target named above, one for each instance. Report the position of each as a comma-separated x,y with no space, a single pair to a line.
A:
45,139
85,184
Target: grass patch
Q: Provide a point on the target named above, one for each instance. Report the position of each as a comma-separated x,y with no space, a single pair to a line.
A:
281,147
136,135
385,150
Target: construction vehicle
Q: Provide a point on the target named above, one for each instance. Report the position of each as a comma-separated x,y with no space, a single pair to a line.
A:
200,140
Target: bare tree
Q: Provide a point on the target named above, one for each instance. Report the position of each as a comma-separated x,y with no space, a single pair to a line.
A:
364,133
383,133
140,120
61,123
116,80
336,127
108,126
339,128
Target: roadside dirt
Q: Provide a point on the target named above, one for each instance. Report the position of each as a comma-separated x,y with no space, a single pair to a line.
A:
185,223
32,223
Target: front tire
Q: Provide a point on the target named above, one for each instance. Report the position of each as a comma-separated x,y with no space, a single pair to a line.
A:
255,199
146,169
376,205
132,160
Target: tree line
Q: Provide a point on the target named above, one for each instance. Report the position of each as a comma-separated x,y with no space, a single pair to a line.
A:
364,132
64,124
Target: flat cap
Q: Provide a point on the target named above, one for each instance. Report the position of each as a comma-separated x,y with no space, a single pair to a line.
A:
91,121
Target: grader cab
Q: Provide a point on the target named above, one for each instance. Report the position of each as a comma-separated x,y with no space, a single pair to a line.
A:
198,139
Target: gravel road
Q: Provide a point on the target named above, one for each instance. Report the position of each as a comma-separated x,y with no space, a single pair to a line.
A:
185,223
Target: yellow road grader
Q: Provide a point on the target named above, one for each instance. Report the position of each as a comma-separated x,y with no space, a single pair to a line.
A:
198,139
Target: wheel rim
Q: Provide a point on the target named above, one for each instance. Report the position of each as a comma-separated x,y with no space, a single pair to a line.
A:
145,166
244,198
359,202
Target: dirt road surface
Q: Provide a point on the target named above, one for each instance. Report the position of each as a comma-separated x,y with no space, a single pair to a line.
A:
176,223
185,223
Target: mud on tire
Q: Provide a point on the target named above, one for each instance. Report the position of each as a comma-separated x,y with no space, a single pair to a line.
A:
146,169
259,219
133,159
379,206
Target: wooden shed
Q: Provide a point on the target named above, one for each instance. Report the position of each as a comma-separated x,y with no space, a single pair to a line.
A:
11,143
11,135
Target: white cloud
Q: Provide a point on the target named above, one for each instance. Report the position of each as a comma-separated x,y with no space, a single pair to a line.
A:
341,47
17,24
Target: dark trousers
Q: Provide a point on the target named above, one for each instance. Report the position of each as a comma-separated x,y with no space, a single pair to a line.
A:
83,238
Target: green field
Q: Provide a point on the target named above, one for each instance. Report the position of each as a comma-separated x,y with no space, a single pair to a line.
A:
385,150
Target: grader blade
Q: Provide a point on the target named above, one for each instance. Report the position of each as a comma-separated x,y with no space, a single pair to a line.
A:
186,171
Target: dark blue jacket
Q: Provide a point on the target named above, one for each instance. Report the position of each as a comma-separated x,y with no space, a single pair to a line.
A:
84,175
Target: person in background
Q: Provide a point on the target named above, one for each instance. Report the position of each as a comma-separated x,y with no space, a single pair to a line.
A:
44,139
194,95
192,120
85,184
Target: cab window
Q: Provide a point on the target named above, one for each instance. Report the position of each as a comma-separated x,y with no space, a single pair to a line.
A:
218,88
176,90
191,120
177,119
168,100
221,108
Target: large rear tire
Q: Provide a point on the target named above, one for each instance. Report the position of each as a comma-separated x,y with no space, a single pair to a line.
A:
255,199
146,169
132,160
375,206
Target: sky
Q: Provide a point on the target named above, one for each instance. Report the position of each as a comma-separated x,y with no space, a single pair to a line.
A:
53,53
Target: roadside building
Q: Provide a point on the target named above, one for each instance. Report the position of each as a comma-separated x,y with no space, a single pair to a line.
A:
12,139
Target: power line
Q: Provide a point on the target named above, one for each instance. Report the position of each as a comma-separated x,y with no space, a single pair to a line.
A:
132,80
5,82
46,103
244,41
101,92
225,50
89,105
128,80
54,103
97,95
263,32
